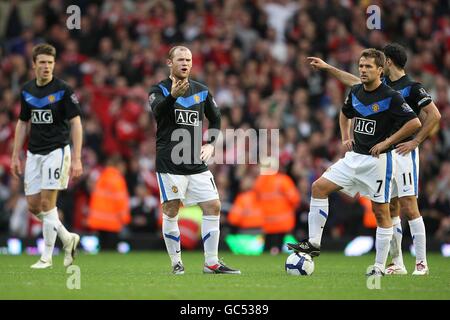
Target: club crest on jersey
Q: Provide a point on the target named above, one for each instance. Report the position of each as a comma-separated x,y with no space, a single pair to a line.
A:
41,116
51,98
375,107
197,98
174,189
365,126
187,117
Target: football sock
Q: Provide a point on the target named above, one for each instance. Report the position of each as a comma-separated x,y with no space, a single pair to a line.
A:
171,234
396,242
419,239
210,237
63,234
318,214
49,231
383,239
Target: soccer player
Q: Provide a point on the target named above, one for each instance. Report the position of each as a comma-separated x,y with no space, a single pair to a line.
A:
51,110
369,164
405,182
179,105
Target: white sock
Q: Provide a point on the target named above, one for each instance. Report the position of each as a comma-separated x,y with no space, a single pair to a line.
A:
210,237
396,242
419,239
383,239
171,234
318,214
49,231
63,234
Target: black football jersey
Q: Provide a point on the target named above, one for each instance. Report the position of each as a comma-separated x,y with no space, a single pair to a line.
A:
375,113
179,126
413,92
49,109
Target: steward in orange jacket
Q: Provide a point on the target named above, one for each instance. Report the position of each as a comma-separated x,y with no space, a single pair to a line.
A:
278,197
245,214
109,205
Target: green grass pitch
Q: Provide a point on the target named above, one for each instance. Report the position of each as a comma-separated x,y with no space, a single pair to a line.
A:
146,275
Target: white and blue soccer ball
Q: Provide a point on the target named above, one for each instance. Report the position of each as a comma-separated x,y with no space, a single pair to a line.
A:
299,264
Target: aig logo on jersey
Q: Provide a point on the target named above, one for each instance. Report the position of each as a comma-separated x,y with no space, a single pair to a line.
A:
186,117
365,126
41,116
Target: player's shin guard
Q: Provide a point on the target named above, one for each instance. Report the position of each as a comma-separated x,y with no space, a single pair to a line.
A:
396,242
382,242
419,238
318,214
171,234
210,237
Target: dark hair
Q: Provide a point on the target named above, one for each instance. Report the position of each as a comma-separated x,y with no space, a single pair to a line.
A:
379,57
397,53
43,48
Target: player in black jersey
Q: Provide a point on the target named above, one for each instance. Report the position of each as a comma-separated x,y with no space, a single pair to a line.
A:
179,105
369,164
50,109
405,186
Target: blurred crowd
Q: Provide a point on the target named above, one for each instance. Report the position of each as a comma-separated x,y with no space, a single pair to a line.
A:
252,56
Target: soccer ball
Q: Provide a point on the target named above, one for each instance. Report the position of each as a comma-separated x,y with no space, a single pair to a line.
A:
299,264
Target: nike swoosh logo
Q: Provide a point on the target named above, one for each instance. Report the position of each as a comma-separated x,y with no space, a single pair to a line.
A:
177,251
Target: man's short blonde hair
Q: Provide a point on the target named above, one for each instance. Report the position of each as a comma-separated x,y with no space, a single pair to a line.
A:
173,49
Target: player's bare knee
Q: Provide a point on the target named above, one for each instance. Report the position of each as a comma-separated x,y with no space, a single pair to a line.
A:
318,190
34,208
382,219
170,208
34,205
46,205
409,208
211,208
394,209
381,214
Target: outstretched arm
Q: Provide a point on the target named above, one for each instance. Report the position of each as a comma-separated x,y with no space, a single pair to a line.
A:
346,78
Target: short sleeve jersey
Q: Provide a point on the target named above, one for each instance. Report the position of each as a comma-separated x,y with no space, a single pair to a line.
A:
375,113
49,108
